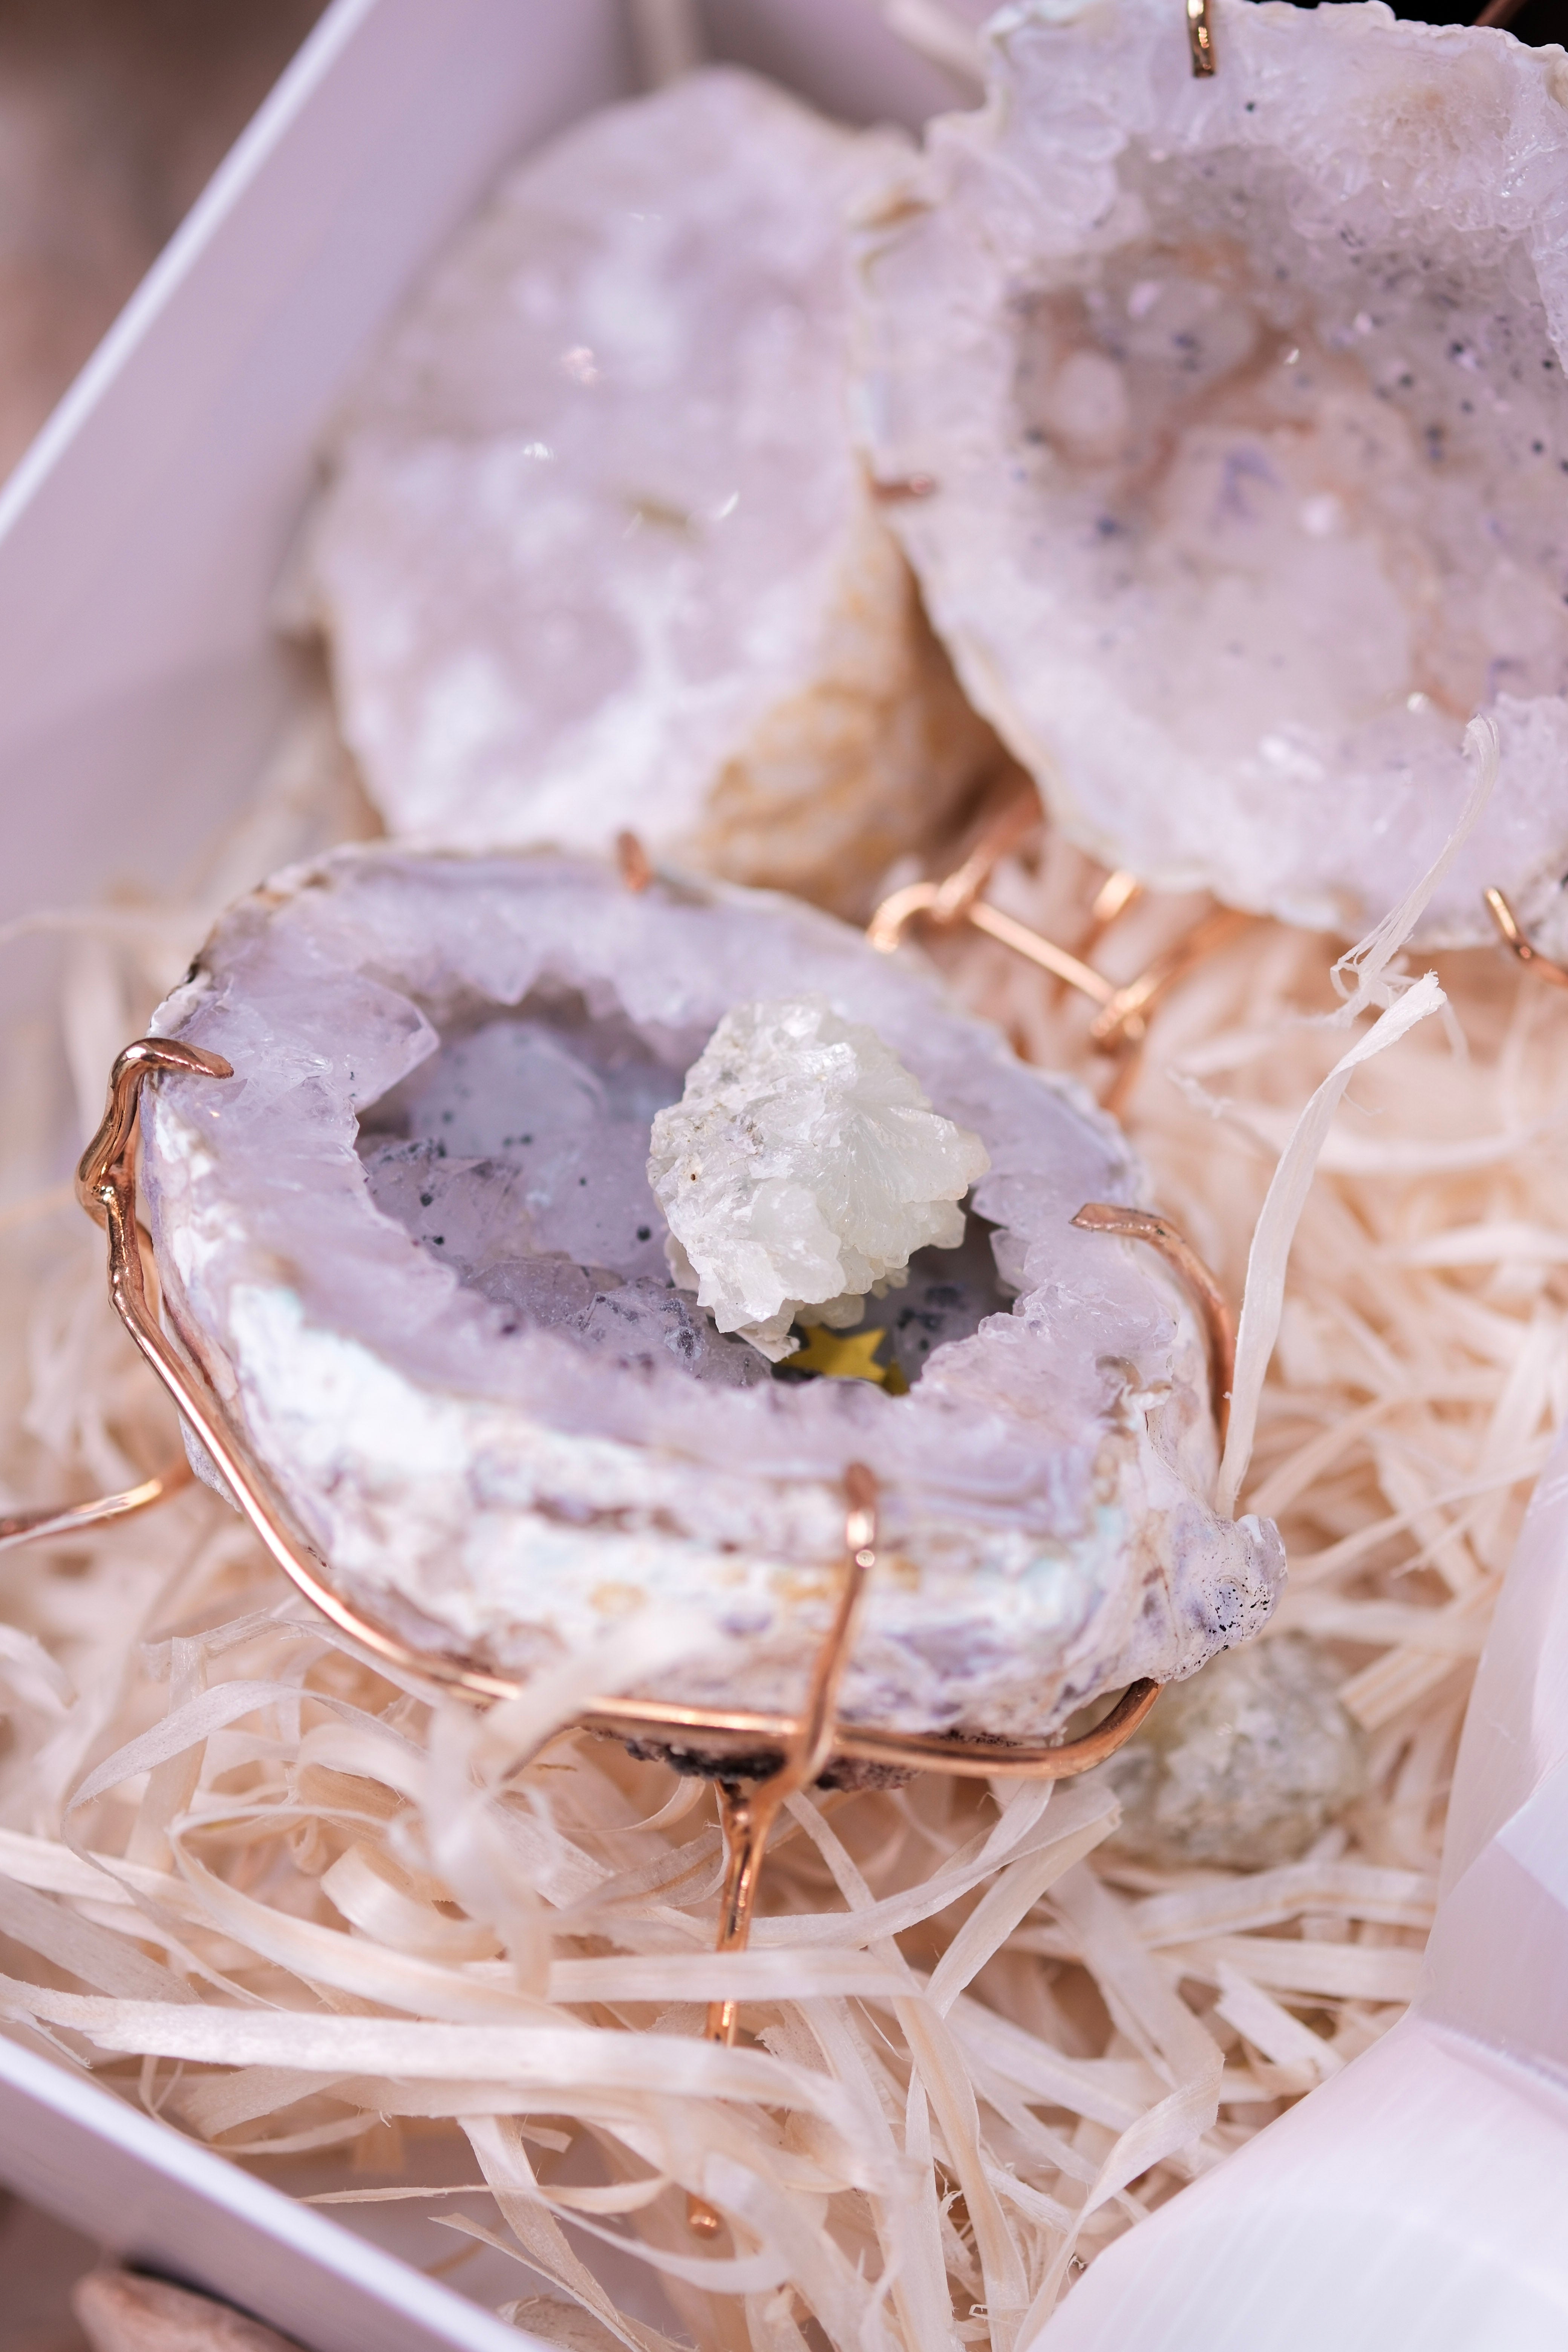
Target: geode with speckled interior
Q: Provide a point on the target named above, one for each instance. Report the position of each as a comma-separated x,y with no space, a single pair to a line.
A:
1239,408
412,1240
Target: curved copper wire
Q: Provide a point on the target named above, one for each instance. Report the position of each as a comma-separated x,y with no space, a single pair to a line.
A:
1123,1017
54,1520
953,897
749,1815
1514,937
1220,1326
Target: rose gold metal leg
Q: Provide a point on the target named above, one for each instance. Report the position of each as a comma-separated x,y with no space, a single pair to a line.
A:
1018,817
1036,949
1219,1328
746,1822
1125,1015
1121,1015
73,1518
944,903
748,1816
1200,39
1114,896
894,916
951,899
1509,928
633,862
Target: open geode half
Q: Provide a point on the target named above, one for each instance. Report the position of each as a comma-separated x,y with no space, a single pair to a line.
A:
413,1244
1239,408
596,548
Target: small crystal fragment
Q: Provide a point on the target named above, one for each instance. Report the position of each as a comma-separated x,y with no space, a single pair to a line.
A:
802,1169
1243,1766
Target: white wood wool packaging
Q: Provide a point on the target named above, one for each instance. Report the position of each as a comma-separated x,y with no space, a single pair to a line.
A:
502,463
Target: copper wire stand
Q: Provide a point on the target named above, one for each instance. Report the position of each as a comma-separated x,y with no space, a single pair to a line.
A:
753,1793
806,1744
1122,1010
106,1185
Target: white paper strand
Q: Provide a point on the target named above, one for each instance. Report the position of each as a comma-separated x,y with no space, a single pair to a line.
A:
1263,1302
1367,963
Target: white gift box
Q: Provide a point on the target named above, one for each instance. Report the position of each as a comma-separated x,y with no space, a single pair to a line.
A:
1419,2198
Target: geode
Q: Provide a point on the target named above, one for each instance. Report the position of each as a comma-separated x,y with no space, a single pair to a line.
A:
597,549
413,1242
1238,412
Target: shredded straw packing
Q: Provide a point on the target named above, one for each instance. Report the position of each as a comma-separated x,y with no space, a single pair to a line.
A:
842,1449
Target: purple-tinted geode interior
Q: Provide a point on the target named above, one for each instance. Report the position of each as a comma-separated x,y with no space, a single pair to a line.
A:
518,1156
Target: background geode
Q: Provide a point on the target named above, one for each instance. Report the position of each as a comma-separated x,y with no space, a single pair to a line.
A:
596,548
1043,1483
1241,404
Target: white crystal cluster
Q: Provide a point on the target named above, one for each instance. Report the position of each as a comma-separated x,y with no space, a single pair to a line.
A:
597,549
801,1170
1239,408
413,1242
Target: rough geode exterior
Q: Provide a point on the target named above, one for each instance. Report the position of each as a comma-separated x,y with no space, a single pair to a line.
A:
1241,404
1045,1485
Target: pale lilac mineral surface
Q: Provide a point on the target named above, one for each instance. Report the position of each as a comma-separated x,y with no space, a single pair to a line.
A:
414,1242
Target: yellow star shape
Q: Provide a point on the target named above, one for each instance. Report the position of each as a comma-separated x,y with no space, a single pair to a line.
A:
846,1356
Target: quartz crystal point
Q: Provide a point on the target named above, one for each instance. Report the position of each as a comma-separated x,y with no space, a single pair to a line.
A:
413,1242
596,550
1238,413
803,1168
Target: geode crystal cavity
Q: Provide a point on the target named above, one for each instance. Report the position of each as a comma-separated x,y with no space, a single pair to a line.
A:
414,1243
1238,409
597,549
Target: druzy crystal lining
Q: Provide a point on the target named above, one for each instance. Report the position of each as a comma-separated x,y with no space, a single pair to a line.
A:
1043,1483
1238,409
